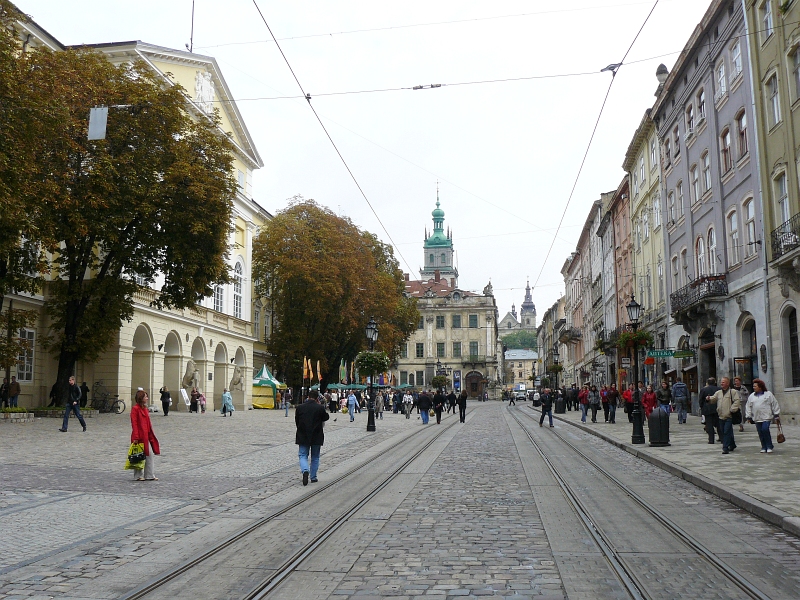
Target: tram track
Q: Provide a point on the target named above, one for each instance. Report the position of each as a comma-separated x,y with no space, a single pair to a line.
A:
288,566
621,567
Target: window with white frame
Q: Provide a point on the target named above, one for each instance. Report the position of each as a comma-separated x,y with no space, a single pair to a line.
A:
25,358
765,12
782,196
722,83
712,252
706,160
689,120
641,169
676,136
219,299
773,101
679,194
660,273
238,273
675,273
736,59
635,184
646,222
749,212
656,211
725,150
667,152
256,321
741,131
638,236
701,105
733,238
694,179
700,257
671,206
653,154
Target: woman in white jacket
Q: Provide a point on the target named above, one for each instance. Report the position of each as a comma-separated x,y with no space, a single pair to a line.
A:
762,407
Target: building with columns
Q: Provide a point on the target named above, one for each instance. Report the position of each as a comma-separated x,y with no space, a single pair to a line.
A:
525,321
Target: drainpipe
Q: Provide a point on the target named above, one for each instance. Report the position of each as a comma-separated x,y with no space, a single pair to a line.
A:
768,316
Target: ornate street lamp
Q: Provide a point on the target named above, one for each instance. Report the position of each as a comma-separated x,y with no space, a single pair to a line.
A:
372,337
637,437
555,362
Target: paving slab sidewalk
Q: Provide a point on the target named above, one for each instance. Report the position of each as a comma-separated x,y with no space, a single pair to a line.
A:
766,485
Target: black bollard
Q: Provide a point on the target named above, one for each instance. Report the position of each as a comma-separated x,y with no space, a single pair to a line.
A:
561,406
658,426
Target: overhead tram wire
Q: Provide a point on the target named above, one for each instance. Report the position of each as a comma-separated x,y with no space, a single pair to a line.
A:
308,98
613,68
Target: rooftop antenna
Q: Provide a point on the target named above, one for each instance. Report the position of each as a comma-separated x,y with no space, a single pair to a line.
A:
190,46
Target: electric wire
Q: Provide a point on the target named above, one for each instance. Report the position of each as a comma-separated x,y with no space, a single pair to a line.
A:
591,139
325,129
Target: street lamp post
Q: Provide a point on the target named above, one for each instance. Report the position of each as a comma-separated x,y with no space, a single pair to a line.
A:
555,370
372,337
637,437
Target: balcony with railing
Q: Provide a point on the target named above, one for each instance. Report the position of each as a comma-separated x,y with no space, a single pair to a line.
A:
702,288
786,238
570,335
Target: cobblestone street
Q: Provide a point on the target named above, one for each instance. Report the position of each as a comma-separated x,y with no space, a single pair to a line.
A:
477,514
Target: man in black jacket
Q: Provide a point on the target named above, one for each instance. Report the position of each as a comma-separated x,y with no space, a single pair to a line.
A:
451,401
73,405
546,399
462,406
424,405
708,408
309,418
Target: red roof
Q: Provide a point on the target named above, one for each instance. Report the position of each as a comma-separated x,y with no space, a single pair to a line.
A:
417,289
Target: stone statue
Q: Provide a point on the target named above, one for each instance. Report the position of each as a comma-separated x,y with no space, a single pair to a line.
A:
204,91
236,380
488,291
190,379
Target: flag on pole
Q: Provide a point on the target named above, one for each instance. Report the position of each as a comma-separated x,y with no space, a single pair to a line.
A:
319,373
305,368
310,371
342,372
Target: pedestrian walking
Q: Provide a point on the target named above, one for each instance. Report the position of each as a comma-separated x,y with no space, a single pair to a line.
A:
583,399
708,408
142,433
511,400
604,401
352,401
546,400
572,398
451,402
309,418
649,401
166,400
424,405
84,394
462,406
762,407
73,405
680,397
627,395
408,404
379,405
594,402
14,390
744,393
227,403
728,402
438,405
613,399
4,393
664,398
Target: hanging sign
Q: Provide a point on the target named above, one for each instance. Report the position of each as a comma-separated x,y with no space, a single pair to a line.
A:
660,353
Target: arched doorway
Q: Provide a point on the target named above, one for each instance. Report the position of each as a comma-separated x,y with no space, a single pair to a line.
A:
220,375
473,384
747,365
172,366
142,364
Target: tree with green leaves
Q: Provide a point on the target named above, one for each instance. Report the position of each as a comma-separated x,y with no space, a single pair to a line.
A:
521,340
150,203
326,278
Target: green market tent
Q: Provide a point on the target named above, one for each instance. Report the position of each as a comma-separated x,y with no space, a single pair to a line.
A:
265,389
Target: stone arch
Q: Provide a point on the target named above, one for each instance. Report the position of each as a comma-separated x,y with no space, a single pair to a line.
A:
173,350
142,361
239,378
473,384
221,374
788,333
198,350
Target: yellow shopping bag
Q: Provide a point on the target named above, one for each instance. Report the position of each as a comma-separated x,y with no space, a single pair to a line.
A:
136,457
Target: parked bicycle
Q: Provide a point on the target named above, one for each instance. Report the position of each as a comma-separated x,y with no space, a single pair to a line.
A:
103,401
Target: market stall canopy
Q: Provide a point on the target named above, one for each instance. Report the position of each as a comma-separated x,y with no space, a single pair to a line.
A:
265,388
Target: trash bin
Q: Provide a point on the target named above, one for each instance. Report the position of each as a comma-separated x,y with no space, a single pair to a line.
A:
658,427
561,406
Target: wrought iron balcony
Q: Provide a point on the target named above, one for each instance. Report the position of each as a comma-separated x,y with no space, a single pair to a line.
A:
702,288
786,237
570,335
473,359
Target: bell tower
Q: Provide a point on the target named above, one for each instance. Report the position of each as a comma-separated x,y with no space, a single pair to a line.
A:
438,251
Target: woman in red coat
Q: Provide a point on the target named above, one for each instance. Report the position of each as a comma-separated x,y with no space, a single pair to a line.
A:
649,401
143,434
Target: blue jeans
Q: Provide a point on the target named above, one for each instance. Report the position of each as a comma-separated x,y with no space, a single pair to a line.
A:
726,426
764,435
77,410
584,407
612,412
302,453
425,416
549,413
681,406
352,410
286,407
12,401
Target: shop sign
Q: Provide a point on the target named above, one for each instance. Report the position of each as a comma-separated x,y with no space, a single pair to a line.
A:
683,354
660,353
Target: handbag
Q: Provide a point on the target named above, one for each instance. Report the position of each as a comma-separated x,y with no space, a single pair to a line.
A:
136,457
781,437
736,417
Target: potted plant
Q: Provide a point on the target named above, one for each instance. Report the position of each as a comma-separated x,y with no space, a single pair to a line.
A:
634,339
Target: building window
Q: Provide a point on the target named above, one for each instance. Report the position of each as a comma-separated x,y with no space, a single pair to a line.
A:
410,378
473,348
782,194
520,374
773,101
689,120
712,252
722,85
679,190
667,153
684,268
439,321
706,172
796,71
237,290
456,349
473,321
700,257
646,223
671,206
444,258
638,236
741,128
456,321
766,20
219,299
656,211
257,321
649,283
794,348
641,169
25,359
733,238
420,378
421,324
403,377
660,274
675,276
725,150
403,350
750,228
736,59
695,183
701,105
420,350
430,259
653,154
439,349
676,135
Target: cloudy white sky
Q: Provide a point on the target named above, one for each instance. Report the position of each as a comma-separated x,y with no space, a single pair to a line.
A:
505,154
